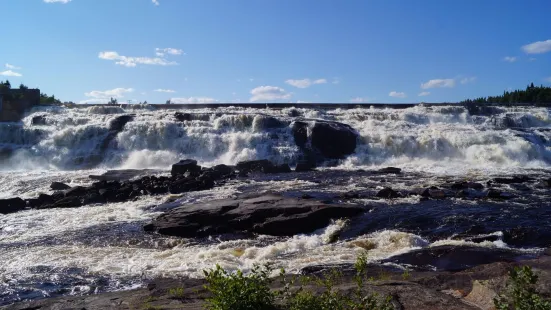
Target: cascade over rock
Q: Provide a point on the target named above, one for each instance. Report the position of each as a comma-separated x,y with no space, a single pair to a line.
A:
331,139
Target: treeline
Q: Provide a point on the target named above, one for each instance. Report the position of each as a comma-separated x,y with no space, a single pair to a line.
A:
44,98
535,95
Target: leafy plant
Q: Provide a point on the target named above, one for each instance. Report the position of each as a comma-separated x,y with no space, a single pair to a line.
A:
236,291
521,293
177,292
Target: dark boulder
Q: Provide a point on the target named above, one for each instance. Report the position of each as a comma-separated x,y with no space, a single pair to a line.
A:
283,168
333,140
305,165
454,258
300,133
388,192
220,171
423,192
513,180
38,120
58,186
67,202
76,191
124,174
12,205
266,122
390,170
262,165
182,116
497,194
265,214
294,113
184,166
118,123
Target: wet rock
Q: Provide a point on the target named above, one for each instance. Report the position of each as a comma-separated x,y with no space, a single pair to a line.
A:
183,166
123,174
12,205
75,191
497,194
294,113
300,133
223,170
67,202
182,116
283,168
390,170
465,185
118,123
423,192
304,166
437,194
455,258
38,120
388,192
515,179
262,165
265,214
547,183
267,122
58,186
333,139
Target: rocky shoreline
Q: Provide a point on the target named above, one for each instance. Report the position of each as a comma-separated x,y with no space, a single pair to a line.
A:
463,276
468,289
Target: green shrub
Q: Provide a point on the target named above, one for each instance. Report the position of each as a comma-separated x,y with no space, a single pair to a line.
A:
177,292
521,293
236,291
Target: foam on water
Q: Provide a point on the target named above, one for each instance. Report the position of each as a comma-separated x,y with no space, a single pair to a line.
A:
444,139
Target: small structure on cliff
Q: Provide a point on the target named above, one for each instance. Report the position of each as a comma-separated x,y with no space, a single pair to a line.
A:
15,101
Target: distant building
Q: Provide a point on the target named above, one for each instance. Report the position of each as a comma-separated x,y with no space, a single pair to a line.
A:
14,102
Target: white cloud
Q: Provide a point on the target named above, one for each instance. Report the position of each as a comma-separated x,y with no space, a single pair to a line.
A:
193,100
424,93
57,1
94,101
269,93
532,59
134,61
156,2
397,94
548,79
116,93
336,80
509,59
360,100
302,101
539,47
438,83
12,67
169,50
468,80
160,90
10,73
305,83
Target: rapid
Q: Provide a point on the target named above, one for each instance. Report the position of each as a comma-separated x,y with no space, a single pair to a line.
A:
99,248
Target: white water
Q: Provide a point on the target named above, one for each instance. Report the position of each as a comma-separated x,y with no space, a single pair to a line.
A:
439,139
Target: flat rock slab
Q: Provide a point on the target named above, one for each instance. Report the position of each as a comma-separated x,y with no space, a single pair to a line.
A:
124,174
264,214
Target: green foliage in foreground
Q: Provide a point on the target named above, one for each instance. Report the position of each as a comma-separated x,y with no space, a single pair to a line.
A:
237,291
521,293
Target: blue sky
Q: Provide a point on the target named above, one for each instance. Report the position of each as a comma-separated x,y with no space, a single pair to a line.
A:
275,50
